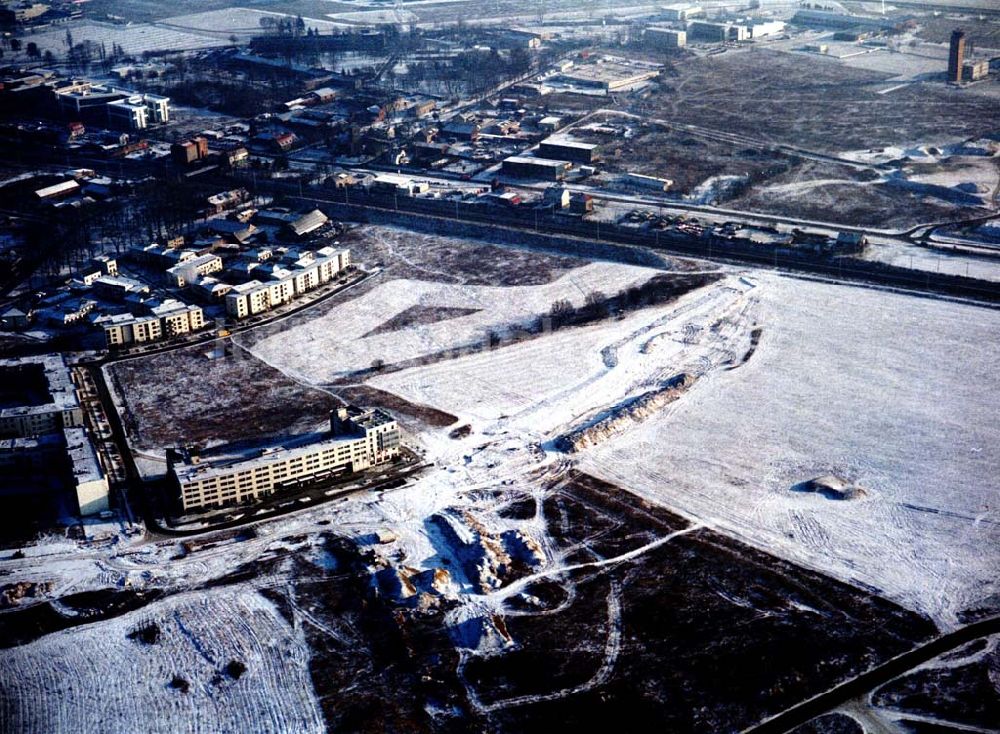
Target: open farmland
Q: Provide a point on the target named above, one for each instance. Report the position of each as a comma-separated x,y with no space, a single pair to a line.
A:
816,103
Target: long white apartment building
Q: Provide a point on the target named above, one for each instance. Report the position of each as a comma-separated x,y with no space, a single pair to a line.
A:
284,284
89,480
165,320
358,440
49,400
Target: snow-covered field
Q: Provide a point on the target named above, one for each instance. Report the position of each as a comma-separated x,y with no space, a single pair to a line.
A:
934,260
338,342
95,679
241,21
898,394
537,387
892,392
134,39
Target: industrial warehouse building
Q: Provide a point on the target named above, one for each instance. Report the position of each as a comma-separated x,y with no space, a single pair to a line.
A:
717,32
665,38
520,166
567,150
358,440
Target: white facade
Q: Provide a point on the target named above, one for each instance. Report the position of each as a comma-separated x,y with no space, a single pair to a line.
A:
124,113
91,484
307,273
771,28
357,441
62,411
190,268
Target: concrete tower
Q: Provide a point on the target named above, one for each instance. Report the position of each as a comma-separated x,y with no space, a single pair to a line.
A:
956,56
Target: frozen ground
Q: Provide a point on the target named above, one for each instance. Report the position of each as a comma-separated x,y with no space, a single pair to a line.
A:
934,260
239,21
340,342
536,388
893,392
134,39
94,678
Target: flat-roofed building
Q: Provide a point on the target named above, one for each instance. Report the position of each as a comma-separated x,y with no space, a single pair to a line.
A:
667,38
561,149
43,396
119,107
357,440
128,115
89,482
647,182
973,71
717,32
682,11
543,168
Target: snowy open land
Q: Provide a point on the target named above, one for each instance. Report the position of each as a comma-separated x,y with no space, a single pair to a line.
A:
95,678
499,544
238,21
540,386
341,342
895,393
133,39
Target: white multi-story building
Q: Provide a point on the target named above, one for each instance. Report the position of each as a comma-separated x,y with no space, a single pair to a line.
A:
165,320
358,440
247,299
90,483
190,268
124,108
61,406
307,272
123,113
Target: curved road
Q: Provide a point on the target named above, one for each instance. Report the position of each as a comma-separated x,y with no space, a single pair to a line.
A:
872,679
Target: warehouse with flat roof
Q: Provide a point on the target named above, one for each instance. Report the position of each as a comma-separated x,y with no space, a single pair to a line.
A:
520,166
568,150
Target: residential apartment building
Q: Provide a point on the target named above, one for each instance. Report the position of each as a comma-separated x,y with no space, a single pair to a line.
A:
309,271
89,481
190,269
49,400
358,439
165,320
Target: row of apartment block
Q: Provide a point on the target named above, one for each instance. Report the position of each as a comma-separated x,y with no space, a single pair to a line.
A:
170,318
358,440
58,408
311,271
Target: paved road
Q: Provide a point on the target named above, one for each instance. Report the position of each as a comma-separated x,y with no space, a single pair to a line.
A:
869,681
